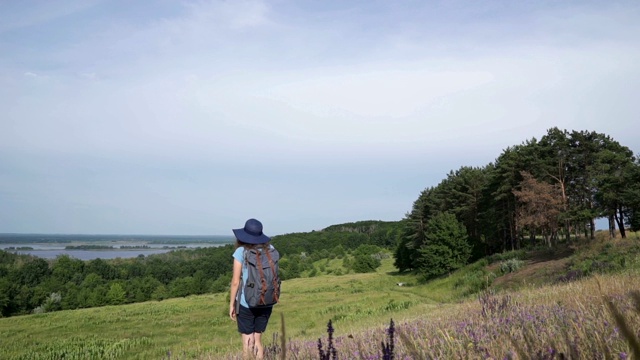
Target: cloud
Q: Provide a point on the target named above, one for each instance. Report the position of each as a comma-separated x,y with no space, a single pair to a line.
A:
391,93
15,16
236,15
379,109
185,114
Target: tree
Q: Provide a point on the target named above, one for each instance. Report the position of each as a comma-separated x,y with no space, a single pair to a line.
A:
632,196
5,297
102,268
435,260
67,269
613,170
554,159
97,296
504,178
289,267
160,293
463,192
364,263
33,272
584,147
539,207
92,281
402,255
446,247
430,202
182,287
116,294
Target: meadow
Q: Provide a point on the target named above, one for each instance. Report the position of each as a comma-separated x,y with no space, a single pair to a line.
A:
442,319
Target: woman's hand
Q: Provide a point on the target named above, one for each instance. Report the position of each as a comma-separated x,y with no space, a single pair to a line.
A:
232,312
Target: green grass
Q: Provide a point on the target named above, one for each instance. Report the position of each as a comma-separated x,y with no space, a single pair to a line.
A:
199,326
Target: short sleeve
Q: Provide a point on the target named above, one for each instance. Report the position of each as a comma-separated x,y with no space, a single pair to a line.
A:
239,254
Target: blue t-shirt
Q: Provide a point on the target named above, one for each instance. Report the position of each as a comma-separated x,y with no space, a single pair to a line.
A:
239,255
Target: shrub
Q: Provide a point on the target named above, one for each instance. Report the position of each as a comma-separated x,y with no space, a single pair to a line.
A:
475,281
511,265
365,263
508,255
51,303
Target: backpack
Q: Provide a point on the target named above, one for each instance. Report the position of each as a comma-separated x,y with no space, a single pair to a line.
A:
262,286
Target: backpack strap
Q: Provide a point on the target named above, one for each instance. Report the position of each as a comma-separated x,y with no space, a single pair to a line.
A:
263,282
274,277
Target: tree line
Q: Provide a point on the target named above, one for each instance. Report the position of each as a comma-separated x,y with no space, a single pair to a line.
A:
538,193
30,284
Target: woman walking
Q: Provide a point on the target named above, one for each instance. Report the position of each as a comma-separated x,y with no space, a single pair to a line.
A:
252,321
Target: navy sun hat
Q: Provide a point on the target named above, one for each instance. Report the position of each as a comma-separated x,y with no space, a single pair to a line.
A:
251,233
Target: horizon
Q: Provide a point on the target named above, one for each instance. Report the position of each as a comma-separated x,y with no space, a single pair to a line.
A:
601,225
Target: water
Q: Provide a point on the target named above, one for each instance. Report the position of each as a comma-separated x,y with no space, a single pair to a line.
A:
51,246
91,254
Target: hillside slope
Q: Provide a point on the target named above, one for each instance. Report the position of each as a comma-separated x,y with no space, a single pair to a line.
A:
199,327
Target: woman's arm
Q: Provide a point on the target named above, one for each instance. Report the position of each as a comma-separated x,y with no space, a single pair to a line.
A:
235,285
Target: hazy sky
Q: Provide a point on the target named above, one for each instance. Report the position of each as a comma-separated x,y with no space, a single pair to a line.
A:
188,117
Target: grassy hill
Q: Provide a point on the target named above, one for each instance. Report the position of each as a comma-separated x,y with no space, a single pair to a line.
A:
428,315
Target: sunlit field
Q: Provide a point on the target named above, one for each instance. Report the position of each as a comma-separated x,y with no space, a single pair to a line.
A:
434,320
576,321
199,326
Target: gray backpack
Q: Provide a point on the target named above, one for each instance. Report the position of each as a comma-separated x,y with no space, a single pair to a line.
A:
262,286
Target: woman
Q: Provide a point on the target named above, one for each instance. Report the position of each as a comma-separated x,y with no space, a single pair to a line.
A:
252,322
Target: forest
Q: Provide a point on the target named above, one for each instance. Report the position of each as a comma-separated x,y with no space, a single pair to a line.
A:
541,193
29,284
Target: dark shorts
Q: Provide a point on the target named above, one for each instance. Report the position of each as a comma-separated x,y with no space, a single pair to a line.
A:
253,320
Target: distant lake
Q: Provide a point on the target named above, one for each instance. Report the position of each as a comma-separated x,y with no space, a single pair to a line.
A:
51,246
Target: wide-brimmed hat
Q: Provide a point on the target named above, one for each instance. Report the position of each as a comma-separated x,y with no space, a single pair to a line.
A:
251,233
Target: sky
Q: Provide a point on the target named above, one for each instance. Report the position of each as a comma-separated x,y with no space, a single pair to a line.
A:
190,117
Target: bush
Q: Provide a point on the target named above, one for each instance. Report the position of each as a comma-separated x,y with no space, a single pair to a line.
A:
475,281
365,263
508,255
511,265
608,258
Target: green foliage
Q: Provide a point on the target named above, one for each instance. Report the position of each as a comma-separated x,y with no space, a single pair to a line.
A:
198,327
338,251
221,284
116,294
367,249
474,282
507,255
446,247
588,175
26,282
434,260
363,263
52,303
160,293
337,239
511,265
606,258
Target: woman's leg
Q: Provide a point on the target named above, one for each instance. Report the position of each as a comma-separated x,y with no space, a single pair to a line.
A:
259,350
248,346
